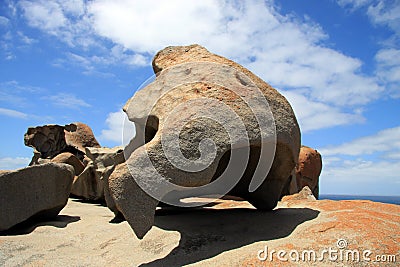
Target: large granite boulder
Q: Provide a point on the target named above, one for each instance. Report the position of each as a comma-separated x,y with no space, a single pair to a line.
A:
50,140
205,126
308,169
90,183
40,190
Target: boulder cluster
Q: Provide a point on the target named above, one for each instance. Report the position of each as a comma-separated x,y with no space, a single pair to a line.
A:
67,161
205,119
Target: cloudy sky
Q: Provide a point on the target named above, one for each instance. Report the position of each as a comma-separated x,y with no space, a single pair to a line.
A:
336,61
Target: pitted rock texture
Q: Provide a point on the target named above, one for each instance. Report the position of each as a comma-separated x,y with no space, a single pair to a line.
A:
203,86
40,190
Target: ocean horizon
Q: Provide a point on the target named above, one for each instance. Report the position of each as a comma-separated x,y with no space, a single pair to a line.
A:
382,199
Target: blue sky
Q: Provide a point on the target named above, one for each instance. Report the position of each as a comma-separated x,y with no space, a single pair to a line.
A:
337,62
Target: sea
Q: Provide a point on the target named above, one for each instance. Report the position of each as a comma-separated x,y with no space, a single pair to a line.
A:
383,199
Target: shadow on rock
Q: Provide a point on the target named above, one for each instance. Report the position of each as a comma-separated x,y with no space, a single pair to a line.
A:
28,226
206,233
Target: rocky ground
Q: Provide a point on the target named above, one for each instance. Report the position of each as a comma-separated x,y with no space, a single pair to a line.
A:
225,233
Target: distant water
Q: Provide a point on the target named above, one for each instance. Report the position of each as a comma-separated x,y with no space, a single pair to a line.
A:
383,199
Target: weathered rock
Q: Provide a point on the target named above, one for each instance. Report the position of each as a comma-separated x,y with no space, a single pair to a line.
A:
90,183
47,141
203,90
40,190
105,157
308,169
130,197
36,159
69,158
304,194
67,144
50,140
86,160
80,136
85,184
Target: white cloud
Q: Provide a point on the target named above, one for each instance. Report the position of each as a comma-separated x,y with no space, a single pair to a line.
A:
384,13
15,94
44,14
313,115
388,69
3,21
67,101
67,20
13,113
369,164
119,129
389,58
387,140
393,155
73,7
387,13
361,176
147,26
326,75
25,39
9,163
353,3
117,56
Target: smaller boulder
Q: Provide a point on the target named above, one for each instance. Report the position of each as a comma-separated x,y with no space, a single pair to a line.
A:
308,169
35,191
90,183
80,136
85,184
71,159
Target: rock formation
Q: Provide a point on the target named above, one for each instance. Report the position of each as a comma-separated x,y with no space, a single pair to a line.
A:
75,144
40,190
306,173
90,183
308,169
80,136
304,194
71,159
50,140
197,97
